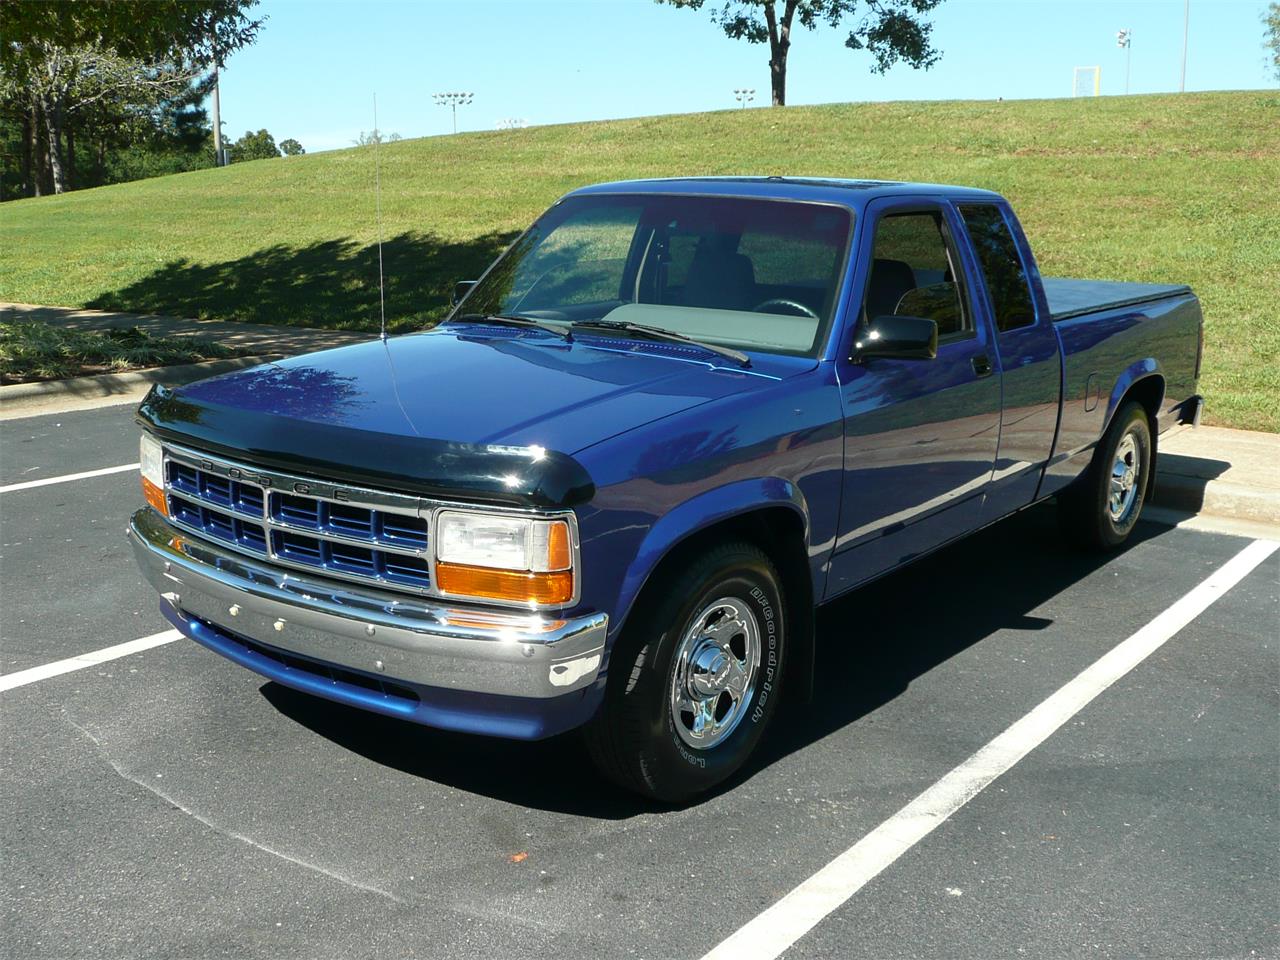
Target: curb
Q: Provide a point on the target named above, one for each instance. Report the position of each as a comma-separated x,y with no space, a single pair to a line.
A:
1216,498
114,384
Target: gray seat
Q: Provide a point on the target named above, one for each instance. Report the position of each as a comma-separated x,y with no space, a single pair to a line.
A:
890,281
720,279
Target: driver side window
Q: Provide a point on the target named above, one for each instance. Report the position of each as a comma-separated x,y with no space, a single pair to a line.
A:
913,273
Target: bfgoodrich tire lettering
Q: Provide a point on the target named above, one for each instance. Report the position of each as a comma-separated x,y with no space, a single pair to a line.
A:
693,680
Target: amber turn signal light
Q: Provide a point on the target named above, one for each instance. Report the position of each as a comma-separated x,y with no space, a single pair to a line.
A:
155,497
486,583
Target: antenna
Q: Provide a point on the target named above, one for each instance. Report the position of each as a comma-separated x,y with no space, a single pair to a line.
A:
377,193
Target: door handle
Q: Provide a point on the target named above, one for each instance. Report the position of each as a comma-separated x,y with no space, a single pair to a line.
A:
981,365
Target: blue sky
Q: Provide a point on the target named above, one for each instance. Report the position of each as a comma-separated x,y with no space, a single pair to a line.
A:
313,72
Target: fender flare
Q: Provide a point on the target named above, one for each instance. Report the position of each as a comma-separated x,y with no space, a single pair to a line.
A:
1133,374
699,513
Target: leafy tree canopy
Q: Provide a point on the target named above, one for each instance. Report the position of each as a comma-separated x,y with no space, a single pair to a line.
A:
891,31
255,146
291,147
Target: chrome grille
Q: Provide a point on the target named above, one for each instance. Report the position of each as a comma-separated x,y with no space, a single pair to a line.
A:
383,541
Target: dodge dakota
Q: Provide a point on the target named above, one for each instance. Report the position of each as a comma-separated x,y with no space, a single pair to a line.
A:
672,419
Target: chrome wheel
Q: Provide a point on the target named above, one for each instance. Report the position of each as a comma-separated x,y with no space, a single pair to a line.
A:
715,672
1124,479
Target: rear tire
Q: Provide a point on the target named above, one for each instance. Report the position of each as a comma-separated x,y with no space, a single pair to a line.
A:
1101,509
693,679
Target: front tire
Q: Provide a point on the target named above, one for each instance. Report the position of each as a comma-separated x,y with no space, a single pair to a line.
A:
1103,507
693,680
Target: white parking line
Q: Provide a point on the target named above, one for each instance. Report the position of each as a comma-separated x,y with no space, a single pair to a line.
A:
23,677
29,484
772,932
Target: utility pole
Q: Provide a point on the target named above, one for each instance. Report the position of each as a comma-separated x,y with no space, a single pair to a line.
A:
453,101
1124,40
1186,23
217,120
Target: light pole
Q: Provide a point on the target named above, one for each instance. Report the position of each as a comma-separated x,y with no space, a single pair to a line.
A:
1186,26
1124,40
453,101
744,96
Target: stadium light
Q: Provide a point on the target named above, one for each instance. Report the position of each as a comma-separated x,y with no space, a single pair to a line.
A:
1124,40
453,101
744,96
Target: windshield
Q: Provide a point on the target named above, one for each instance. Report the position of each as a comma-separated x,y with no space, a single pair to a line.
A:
754,274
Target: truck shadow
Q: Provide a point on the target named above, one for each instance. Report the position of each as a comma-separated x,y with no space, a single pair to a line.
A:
330,283
908,623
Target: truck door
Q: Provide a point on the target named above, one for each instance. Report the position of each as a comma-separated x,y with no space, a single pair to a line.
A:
1030,355
920,435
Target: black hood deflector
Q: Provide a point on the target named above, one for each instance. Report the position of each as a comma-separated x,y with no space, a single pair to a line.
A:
518,476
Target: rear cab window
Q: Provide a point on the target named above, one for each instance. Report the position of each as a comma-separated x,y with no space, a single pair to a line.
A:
1005,277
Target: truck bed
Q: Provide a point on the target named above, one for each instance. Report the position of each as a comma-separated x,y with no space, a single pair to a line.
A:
1071,298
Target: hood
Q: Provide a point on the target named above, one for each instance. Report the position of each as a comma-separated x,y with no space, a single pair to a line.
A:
496,412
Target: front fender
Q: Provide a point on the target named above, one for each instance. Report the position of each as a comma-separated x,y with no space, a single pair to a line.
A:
697,514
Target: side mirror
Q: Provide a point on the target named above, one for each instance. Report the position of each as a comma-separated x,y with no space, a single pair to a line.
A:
903,338
460,290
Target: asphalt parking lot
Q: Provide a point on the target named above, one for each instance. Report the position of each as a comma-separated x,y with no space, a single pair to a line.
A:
171,804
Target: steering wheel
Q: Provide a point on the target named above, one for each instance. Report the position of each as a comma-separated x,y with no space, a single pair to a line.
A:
781,302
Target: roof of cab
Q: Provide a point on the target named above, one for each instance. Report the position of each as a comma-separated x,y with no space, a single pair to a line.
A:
851,193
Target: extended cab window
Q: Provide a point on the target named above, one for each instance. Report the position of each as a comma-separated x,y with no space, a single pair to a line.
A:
1006,280
742,272
913,273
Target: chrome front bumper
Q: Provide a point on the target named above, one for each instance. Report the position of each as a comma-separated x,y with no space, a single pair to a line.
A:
382,635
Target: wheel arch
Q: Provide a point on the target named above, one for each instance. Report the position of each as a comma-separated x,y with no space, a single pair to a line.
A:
1144,383
769,513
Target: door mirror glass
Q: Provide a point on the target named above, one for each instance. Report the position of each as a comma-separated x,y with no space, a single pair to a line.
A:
460,290
899,337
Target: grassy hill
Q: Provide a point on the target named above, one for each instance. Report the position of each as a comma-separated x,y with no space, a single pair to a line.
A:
1162,188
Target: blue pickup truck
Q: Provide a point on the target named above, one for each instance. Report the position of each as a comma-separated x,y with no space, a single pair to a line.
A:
610,490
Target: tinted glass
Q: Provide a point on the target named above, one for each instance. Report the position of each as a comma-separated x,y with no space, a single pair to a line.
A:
747,273
1006,281
912,273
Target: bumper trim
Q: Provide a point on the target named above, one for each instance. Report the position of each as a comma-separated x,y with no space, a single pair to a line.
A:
388,636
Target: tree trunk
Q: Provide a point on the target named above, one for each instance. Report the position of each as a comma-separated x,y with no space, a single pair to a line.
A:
778,78
71,156
37,157
28,153
53,125
779,45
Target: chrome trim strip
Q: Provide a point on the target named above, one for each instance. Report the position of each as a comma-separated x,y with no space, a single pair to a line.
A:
479,650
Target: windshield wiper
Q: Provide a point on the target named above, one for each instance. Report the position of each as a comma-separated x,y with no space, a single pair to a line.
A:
660,333
560,331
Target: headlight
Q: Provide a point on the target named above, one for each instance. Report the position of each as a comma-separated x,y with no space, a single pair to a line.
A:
151,466
517,559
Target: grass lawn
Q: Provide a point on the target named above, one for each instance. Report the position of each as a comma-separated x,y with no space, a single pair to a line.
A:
31,351
1157,188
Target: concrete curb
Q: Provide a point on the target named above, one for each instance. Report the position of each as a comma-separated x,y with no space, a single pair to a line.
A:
115,384
1217,498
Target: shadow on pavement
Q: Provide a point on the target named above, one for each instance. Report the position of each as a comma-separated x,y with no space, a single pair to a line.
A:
1181,479
983,584
331,283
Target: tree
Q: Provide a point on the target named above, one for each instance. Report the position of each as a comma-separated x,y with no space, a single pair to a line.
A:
62,62
890,30
254,146
1271,20
291,148
374,136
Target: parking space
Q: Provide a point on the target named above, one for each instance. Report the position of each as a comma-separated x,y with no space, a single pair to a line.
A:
172,804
